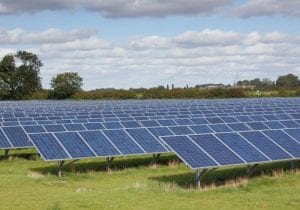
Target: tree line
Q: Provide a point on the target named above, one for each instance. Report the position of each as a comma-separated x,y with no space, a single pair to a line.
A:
20,79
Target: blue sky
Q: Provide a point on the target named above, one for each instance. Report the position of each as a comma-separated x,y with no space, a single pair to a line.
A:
145,43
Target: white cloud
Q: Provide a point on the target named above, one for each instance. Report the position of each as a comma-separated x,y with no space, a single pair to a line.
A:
191,57
268,8
118,8
52,35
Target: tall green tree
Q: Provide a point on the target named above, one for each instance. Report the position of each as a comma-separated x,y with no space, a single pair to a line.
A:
19,75
289,80
64,85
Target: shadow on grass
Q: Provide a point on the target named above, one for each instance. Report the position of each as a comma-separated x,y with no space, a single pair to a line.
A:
27,154
118,164
224,176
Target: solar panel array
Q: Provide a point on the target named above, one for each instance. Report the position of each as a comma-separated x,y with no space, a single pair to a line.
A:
203,133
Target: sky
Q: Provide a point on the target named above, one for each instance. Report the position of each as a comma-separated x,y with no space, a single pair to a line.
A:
146,43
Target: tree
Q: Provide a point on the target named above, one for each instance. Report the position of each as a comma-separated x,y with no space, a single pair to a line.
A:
65,85
289,80
19,81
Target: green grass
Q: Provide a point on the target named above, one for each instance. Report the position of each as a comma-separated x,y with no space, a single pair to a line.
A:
27,182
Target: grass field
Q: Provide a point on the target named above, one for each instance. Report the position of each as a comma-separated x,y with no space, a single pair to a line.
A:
27,182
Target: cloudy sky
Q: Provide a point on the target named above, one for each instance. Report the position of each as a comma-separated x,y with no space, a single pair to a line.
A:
145,43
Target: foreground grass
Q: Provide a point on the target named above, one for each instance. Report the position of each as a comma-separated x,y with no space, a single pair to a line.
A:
30,183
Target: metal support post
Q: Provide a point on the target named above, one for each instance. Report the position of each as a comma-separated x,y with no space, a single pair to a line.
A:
109,161
250,169
6,151
155,158
59,168
199,174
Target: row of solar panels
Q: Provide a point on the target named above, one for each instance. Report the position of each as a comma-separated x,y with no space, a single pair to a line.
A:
17,136
214,150
86,109
6,116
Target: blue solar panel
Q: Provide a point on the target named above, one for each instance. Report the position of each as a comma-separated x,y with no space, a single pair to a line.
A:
242,147
148,142
48,146
290,124
271,117
93,126
27,123
243,118
199,121
192,155
4,143
229,119
74,145
183,122
34,129
10,123
238,126
295,133
274,125
130,124
214,120
17,137
74,127
283,116
181,130
123,142
201,129
257,126
112,125
257,118
54,128
167,122
220,128
265,145
160,131
216,149
99,143
285,141
149,123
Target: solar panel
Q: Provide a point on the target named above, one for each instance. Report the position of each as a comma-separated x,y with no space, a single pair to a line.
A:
49,147
123,142
219,128
245,150
274,125
216,149
201,129
4,142
17,137
181,130
238,126
192,155
75,146
295,133
34,129
199,121
167,122
273,151
130,124
54,128
147,141
93,126
149,123
74,127
290,124
257,126
285,141
99,143
160,131
183,122
112,125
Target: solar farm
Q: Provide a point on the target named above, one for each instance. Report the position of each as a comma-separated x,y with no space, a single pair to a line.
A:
204,134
